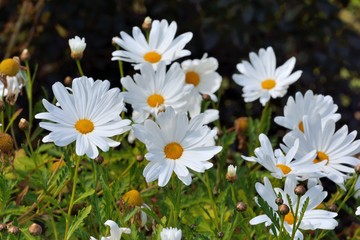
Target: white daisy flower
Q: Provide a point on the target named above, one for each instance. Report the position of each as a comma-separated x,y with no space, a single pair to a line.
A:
336,149
313,218
281,165
77,47
12,79
162,46
170,234
201,73
174,144
231,173
115,231
89,115
153,90
357,211
261,79
309,104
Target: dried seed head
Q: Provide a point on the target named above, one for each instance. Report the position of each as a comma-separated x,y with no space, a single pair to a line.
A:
241,207
23,124
13,230
35,229
133,198
283,209
6,143
300,190
279,201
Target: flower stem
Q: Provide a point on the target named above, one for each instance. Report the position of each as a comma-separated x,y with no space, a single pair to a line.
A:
295,218
79,68
72,197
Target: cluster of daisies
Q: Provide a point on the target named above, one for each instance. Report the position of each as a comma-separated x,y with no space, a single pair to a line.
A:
312,148
166,115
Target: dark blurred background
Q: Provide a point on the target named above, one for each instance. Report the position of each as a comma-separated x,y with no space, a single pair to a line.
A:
322,35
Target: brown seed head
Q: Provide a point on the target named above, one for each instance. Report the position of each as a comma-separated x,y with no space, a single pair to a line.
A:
35,229
300,190
6,143
241,207
283,209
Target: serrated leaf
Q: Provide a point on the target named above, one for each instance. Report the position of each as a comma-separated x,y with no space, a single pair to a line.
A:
84,195
78,221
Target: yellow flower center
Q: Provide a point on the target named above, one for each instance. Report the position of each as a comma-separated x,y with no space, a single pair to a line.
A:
192,78
155,100
173,150
133,198
268,84
321,156
289,218
84,126
9,67
6,143
301,126
152,57
285,169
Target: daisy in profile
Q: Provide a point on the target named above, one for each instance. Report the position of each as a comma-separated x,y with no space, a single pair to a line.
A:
313,218
115,231
335,148
153,90
307,105
89,115
175,144
261,79
171,234
201,73
12,79
162,45
281,165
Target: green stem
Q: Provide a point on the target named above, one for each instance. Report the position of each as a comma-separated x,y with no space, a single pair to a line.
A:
280,236
233,196
79,68
72,197
211,196
295,218
29,144
29,85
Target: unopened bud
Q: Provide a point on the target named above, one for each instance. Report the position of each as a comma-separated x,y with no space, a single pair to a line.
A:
99,159
13,230
68,80
231,173
206,97
333,208
357,169
113,41
35,229
300,190
3,227
220,234
279,201
139,158
23,124
241,206
25,55
147,23
283,209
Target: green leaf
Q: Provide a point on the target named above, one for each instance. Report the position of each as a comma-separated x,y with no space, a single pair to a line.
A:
78,221
84,195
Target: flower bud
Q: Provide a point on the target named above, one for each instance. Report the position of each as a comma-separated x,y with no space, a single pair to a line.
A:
147,23
25,55
241,206
357,169
77,47
139,158
333,208
283,209
279,201
99,159
231,173
35,229
68,80
300,190
220,234
13,230
23,124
